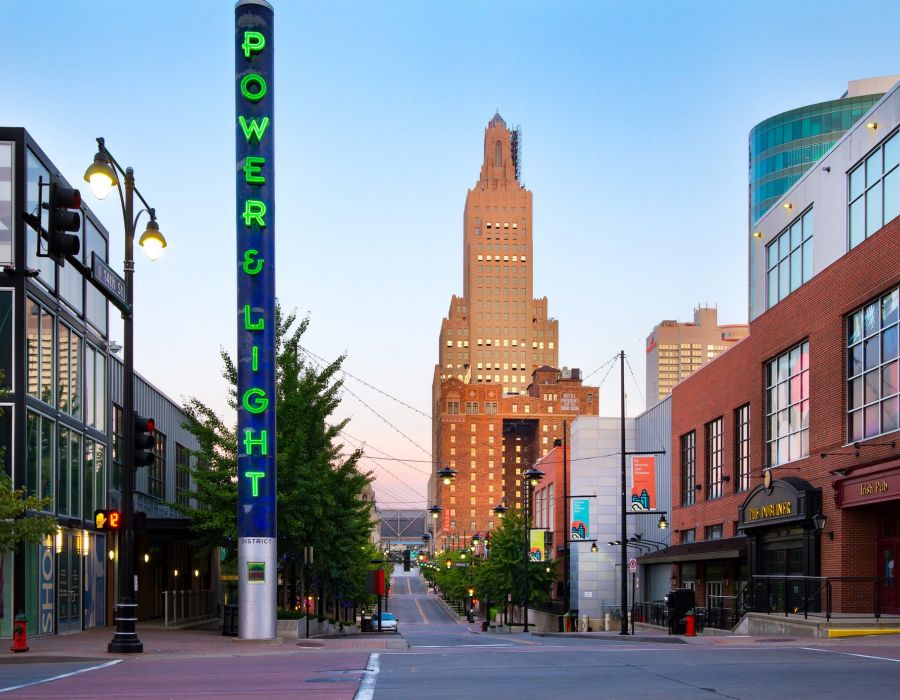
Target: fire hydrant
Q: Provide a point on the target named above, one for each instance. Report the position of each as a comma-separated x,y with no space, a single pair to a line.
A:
20,639
690,625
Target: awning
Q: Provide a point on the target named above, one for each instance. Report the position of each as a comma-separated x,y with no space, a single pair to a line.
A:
731,548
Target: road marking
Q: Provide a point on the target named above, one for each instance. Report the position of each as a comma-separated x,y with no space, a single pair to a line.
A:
366,690
847,653
421,612
62,675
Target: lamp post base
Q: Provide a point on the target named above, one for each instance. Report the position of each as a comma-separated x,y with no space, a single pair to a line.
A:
125,640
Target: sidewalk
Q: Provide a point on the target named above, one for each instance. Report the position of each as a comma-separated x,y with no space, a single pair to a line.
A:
162,642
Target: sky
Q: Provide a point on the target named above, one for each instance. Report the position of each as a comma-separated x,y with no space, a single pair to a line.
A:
634,116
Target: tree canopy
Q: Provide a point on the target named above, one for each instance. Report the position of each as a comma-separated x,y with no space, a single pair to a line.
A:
320,487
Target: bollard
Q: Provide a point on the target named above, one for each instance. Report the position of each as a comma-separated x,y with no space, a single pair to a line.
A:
20,637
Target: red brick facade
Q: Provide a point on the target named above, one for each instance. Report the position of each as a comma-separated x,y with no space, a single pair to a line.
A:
816,312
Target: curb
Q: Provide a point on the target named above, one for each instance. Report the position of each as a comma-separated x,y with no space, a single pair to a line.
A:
658,639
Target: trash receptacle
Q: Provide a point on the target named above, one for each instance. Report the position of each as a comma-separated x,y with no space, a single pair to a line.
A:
484,625
678,602
230,621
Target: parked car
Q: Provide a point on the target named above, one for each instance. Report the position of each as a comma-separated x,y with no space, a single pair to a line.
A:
389,623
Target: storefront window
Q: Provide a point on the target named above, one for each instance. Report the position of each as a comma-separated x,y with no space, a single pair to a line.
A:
94,478
69,469
787,406
6,446
873,368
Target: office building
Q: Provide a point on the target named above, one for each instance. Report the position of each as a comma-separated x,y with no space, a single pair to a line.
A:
783,147
675,349
499,397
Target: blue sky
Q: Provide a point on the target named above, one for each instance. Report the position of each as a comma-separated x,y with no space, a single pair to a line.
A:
635,120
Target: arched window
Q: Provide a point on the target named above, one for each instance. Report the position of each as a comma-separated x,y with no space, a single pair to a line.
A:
498,152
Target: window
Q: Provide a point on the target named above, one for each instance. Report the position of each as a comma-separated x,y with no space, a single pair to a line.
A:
45,266
6,202
789,259
157,470
688,536
94,478
95,302
688,468
39,448
6,440
453,407
787,406
68,386
39,328
874,191
713,532
873,380
95,383
6,322
713,438
68,483
182,475
117,444
742,448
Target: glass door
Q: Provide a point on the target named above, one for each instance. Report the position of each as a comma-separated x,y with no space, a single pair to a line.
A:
890,600
68,566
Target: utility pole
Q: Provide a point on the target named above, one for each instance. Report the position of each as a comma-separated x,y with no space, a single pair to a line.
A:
566,522
624,549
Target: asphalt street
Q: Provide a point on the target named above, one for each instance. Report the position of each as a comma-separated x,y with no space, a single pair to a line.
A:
436,656
449,660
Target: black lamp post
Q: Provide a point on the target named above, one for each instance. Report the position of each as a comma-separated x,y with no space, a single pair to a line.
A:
102,175
531,478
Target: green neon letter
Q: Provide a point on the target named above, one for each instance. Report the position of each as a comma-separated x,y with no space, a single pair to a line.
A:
260,87
254,42
254,130
261,442
255,476
254,211
255,401
252,169
252,265
250,325
254,359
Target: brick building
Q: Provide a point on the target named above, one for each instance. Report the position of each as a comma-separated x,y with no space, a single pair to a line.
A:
498,397
785,460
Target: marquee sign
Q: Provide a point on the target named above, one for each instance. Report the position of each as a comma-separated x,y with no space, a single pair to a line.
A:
255,224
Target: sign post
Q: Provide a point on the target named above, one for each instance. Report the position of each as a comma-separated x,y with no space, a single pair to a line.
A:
254,80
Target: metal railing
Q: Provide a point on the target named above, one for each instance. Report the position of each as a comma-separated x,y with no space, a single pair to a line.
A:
721,613
651,613
182,607
816,595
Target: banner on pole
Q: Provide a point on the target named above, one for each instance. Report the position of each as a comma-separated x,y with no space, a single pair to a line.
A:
580,528
536,545
643,483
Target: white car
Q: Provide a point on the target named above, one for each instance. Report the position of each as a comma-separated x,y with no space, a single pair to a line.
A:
388,622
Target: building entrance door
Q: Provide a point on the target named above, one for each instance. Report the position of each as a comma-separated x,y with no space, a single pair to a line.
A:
68,584
890,591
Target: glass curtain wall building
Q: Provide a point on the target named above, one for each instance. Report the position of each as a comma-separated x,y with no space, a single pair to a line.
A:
784,146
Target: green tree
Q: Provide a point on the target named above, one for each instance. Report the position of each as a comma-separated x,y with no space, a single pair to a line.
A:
320,487
20,519
503,572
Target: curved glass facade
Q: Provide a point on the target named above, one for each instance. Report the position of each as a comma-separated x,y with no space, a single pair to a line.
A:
783,147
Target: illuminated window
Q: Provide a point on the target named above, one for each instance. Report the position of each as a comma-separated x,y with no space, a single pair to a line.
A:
787,406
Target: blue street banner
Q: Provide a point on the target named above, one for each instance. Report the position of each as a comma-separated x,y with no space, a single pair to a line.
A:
254,85
581,519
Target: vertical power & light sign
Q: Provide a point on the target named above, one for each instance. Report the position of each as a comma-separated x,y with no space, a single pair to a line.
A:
255,221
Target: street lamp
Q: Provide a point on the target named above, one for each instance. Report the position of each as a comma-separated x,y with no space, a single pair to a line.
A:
531,478
446,475
102,175
500,510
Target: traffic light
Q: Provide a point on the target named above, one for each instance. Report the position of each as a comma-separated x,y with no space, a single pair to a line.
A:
61,219
406,560
144,441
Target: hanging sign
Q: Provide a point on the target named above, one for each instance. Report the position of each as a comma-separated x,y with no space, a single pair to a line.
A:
643,483
536,545
581,519
254,81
